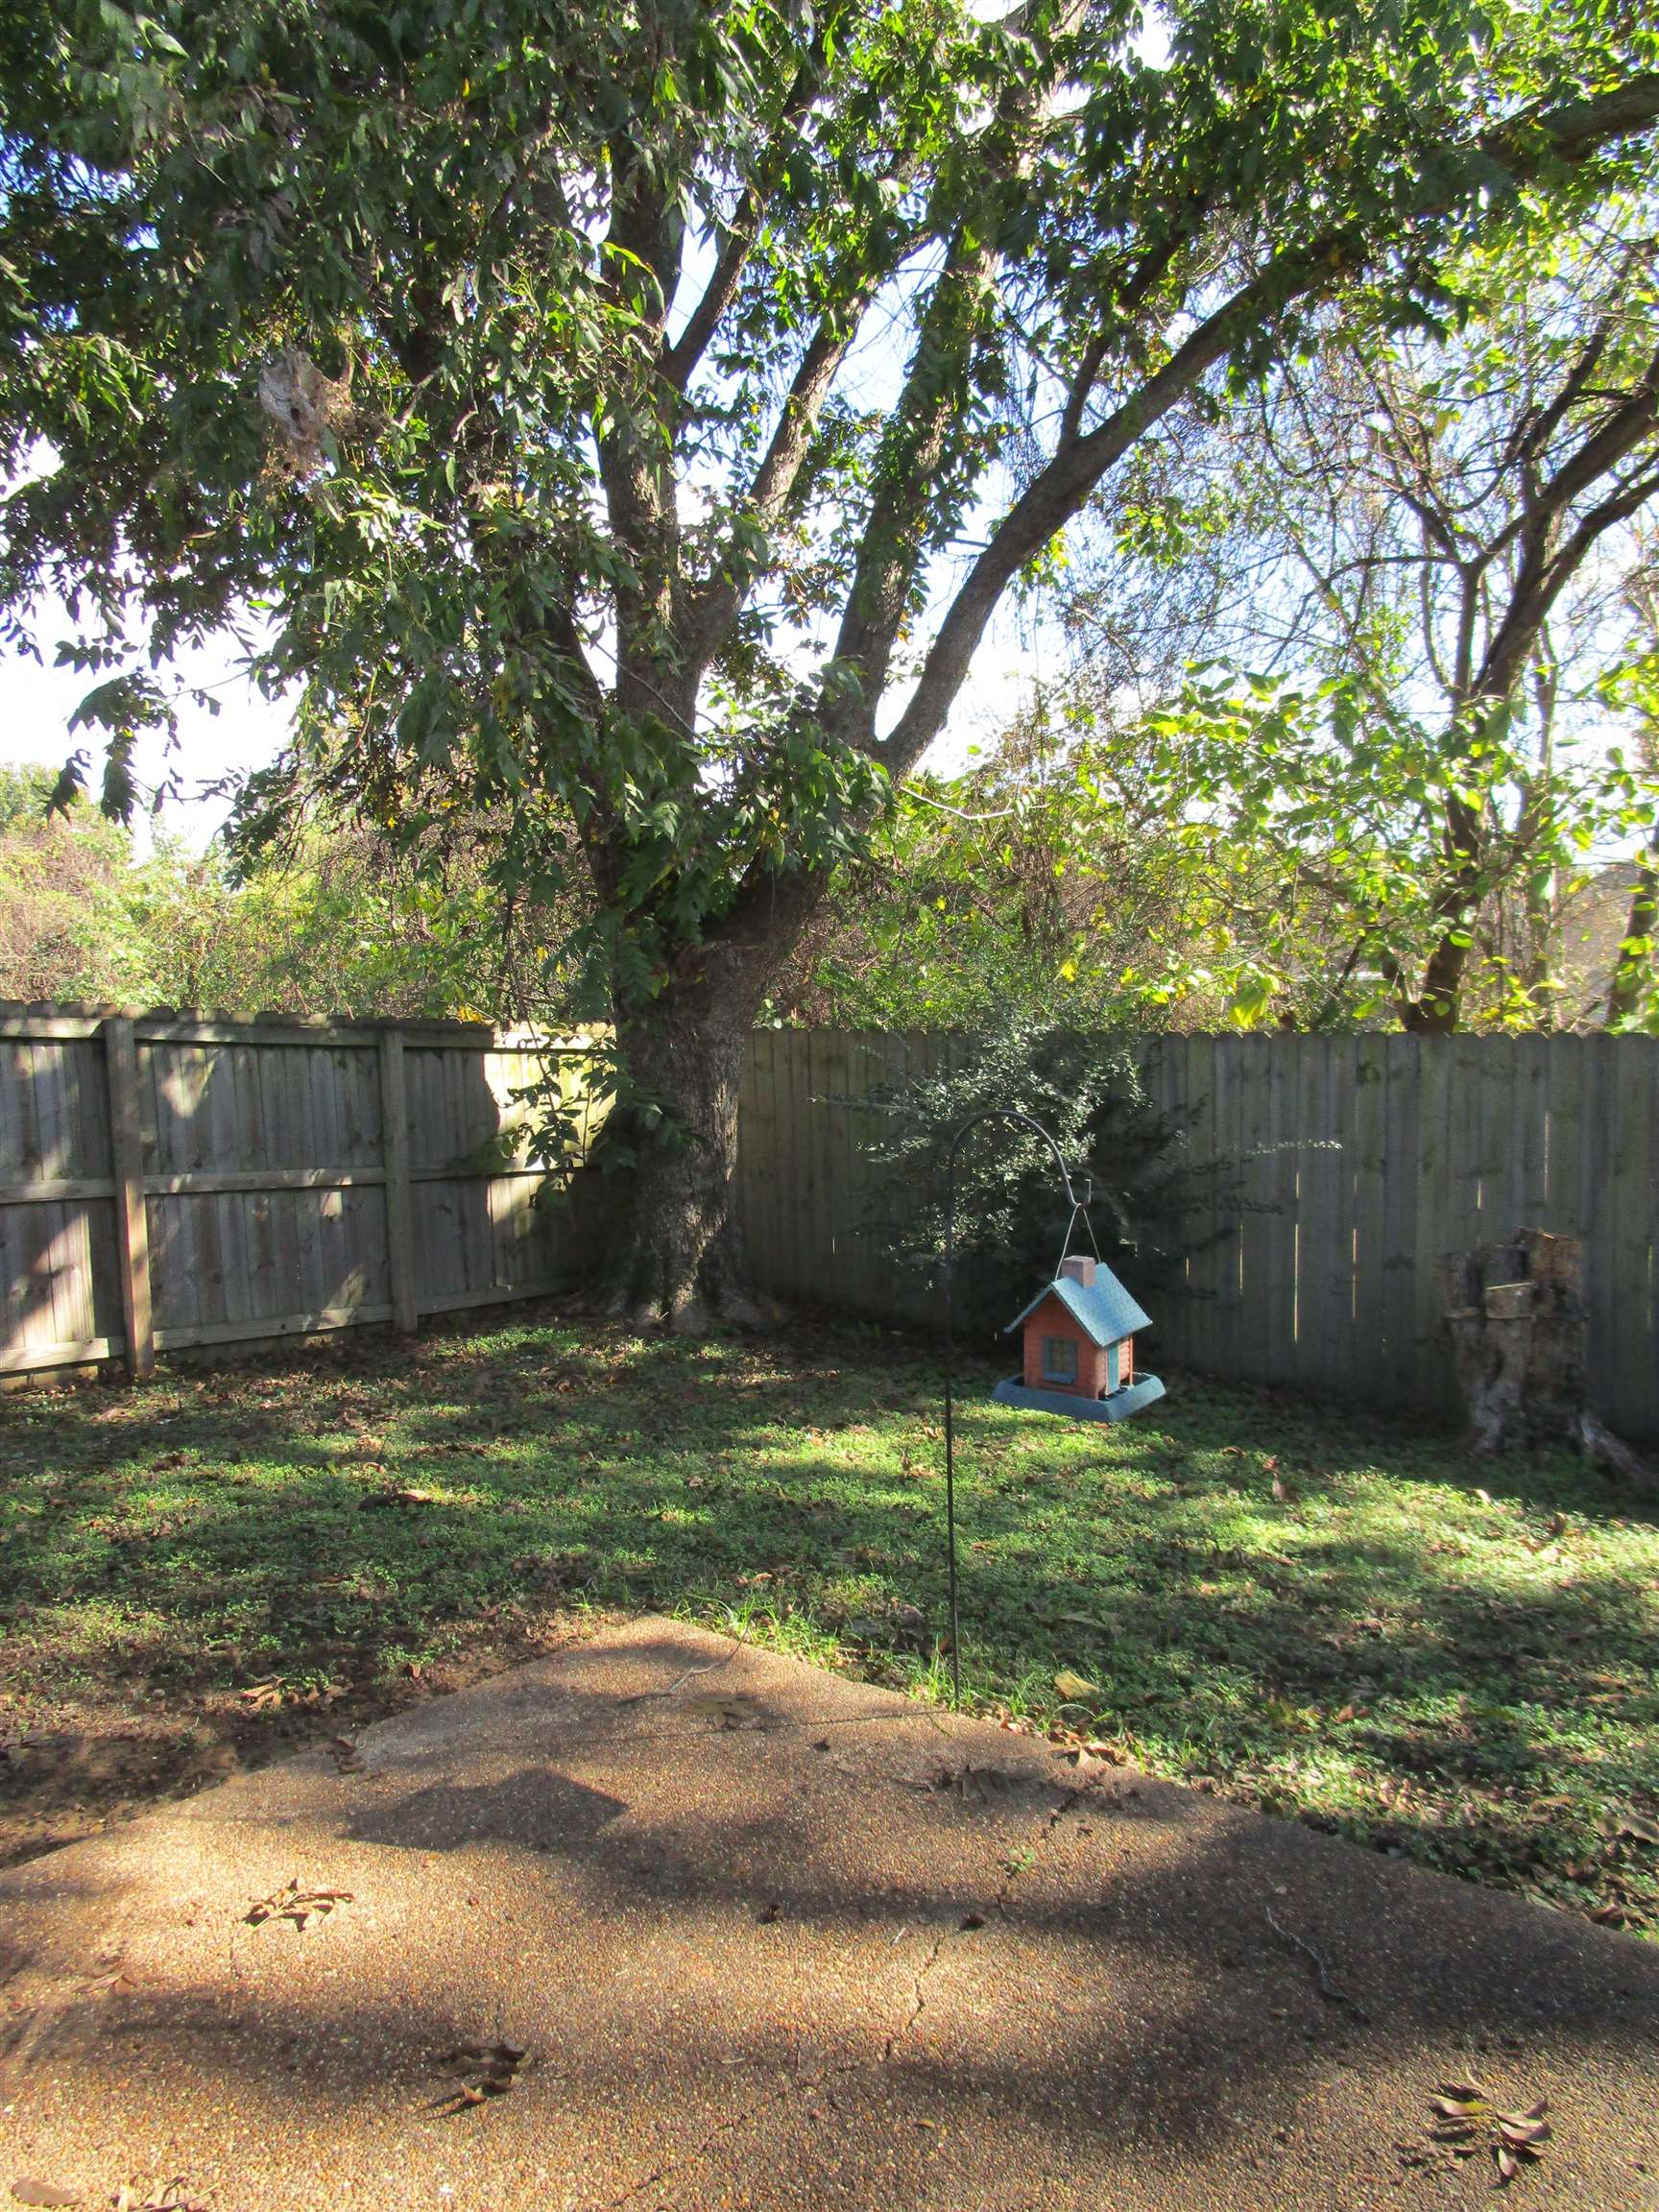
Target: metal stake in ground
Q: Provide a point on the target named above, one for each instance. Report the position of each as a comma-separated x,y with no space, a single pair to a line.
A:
991,1113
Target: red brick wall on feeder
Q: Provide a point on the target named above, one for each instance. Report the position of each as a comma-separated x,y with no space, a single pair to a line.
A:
1077,1349
1097,1367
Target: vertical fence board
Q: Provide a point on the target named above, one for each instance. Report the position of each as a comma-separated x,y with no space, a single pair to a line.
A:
1366,1078
757,1156
1435,1201
1224,1223
746,1144
1625,1366
826,1061
1258,1225
31,1166
400,1227
1596,1208
58,1287
1316,1226
131,1220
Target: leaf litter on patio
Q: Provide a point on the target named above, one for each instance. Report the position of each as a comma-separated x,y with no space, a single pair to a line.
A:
1470,2121
304,1906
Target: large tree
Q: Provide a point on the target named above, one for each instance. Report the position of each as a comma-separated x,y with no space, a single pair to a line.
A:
1448,526
632,419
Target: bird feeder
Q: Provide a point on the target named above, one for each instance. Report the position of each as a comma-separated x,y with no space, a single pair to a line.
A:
1078,1334
1078,1338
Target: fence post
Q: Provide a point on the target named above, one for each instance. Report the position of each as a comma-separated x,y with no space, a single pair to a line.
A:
399,1219
127,1171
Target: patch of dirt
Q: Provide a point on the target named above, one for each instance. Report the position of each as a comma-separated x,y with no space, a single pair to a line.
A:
79,1766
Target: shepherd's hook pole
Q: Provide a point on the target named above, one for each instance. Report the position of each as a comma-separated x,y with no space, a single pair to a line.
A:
991,1113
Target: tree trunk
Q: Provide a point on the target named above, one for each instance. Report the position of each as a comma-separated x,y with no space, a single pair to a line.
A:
1634,965
1434,1011
672,1255
1517,1321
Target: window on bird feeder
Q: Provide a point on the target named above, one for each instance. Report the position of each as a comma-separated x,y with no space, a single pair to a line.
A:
1059,1359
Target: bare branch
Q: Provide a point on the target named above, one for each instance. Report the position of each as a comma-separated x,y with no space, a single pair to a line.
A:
679,360
1545,567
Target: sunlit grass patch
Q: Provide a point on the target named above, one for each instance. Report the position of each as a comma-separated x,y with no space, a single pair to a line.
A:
1330,1613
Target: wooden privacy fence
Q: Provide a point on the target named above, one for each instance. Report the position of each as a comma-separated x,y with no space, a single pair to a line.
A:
1361,1160
166,1182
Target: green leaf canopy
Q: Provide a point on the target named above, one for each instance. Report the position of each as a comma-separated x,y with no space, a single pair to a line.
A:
632,417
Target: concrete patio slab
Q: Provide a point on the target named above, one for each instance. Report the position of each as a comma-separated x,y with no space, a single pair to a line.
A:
769,1939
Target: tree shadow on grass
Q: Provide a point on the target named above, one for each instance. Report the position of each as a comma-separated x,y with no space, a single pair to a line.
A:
243,1539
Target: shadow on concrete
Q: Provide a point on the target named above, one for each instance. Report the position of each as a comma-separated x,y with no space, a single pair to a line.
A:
703,1933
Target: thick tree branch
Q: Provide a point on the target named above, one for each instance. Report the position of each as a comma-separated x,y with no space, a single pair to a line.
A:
1633,967
1536,428
1082,390
642,249
957,318
680,360
707,623
1301,274
1149,272
1545,567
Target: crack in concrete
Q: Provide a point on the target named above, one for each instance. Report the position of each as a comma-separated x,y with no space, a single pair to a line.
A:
975,1919
968,1923
918,1994
748,2114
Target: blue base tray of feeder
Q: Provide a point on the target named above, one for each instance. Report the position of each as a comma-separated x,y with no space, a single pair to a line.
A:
1145,1391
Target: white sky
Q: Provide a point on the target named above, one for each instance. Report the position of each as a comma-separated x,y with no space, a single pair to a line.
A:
35,704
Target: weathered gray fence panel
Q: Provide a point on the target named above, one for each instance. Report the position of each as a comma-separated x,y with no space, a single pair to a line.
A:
185,1182
168,1183
1360,1161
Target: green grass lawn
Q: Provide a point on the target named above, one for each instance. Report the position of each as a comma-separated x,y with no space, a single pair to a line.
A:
1330,1614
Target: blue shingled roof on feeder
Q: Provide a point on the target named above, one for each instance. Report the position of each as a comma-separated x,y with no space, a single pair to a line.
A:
1103,1307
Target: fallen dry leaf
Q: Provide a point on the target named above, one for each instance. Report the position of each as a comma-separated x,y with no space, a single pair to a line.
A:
486,2070
1075,1688
262,1694
1113,1752
1469,2121
710,1705
301,1906
1614,1913
30,2192
174,2197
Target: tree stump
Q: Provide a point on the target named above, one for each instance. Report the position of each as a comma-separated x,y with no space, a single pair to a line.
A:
1519,1329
